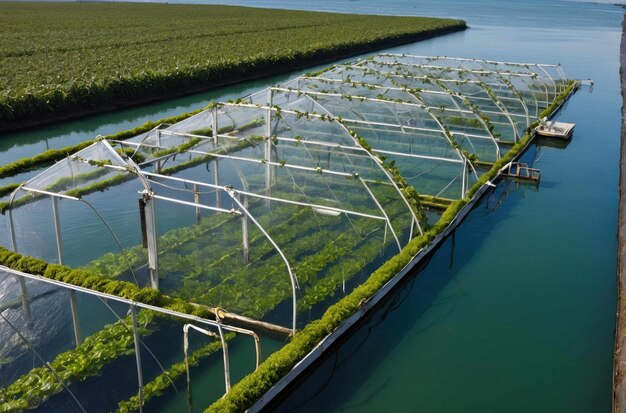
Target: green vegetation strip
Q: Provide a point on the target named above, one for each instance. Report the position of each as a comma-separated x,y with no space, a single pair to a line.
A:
87,359
52,155
57,59
245,393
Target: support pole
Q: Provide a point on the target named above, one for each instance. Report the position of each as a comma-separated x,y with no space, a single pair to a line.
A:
137,357
186,351
72,293
151,233
216,178
225,347
463,181
244,231
216,167
23,291
158,143
196,200
268,142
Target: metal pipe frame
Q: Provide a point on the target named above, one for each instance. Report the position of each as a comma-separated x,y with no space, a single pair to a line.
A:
422,106
193,318
72,294
450,94
13,241
260,196
522,76
456,69
468,59
380,165
292,276
427,91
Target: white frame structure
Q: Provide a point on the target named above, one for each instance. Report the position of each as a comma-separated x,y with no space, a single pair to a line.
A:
377,94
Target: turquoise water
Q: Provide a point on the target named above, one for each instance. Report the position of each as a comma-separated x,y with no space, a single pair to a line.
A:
516,312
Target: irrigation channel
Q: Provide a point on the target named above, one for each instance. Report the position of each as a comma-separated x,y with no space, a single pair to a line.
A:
515,310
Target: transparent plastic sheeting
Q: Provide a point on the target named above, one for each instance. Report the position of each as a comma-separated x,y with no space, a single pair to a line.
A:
276,205
69,345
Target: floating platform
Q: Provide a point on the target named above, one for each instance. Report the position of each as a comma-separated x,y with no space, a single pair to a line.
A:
559,130
519,170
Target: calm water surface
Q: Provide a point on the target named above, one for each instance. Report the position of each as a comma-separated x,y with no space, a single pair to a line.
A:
516,311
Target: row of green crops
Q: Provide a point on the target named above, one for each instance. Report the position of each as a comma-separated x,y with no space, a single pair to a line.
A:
52,155
96,351
57,58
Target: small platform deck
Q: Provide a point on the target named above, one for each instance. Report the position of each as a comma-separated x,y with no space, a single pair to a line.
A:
559,130
519,170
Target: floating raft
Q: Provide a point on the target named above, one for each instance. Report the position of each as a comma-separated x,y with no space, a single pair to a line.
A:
559,130
519,170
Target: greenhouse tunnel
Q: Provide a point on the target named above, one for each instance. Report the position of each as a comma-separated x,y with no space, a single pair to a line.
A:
268,209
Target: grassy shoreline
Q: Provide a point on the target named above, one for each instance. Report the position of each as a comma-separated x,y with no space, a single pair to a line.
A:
144,66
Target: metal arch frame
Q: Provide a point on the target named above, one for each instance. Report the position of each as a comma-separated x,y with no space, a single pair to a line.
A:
477,116
298,167
130,167
428,91
491,62
414,76
468,59
136,304
377,162
450,95
417,105
530,91
519,99
478,82
442,130
292,276
474,72
503,79
234,195
151,195
462,158
444,68
496,100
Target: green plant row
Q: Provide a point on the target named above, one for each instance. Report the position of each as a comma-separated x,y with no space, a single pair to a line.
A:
87,359
15,395
52,155
103,56
7,189
245,393
117,179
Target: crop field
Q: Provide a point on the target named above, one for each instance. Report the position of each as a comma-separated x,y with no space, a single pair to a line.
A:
59,59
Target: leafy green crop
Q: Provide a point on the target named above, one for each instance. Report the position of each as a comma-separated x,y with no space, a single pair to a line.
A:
58,58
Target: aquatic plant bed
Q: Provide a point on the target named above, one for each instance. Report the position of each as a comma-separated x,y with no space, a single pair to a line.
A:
58,60
295,209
